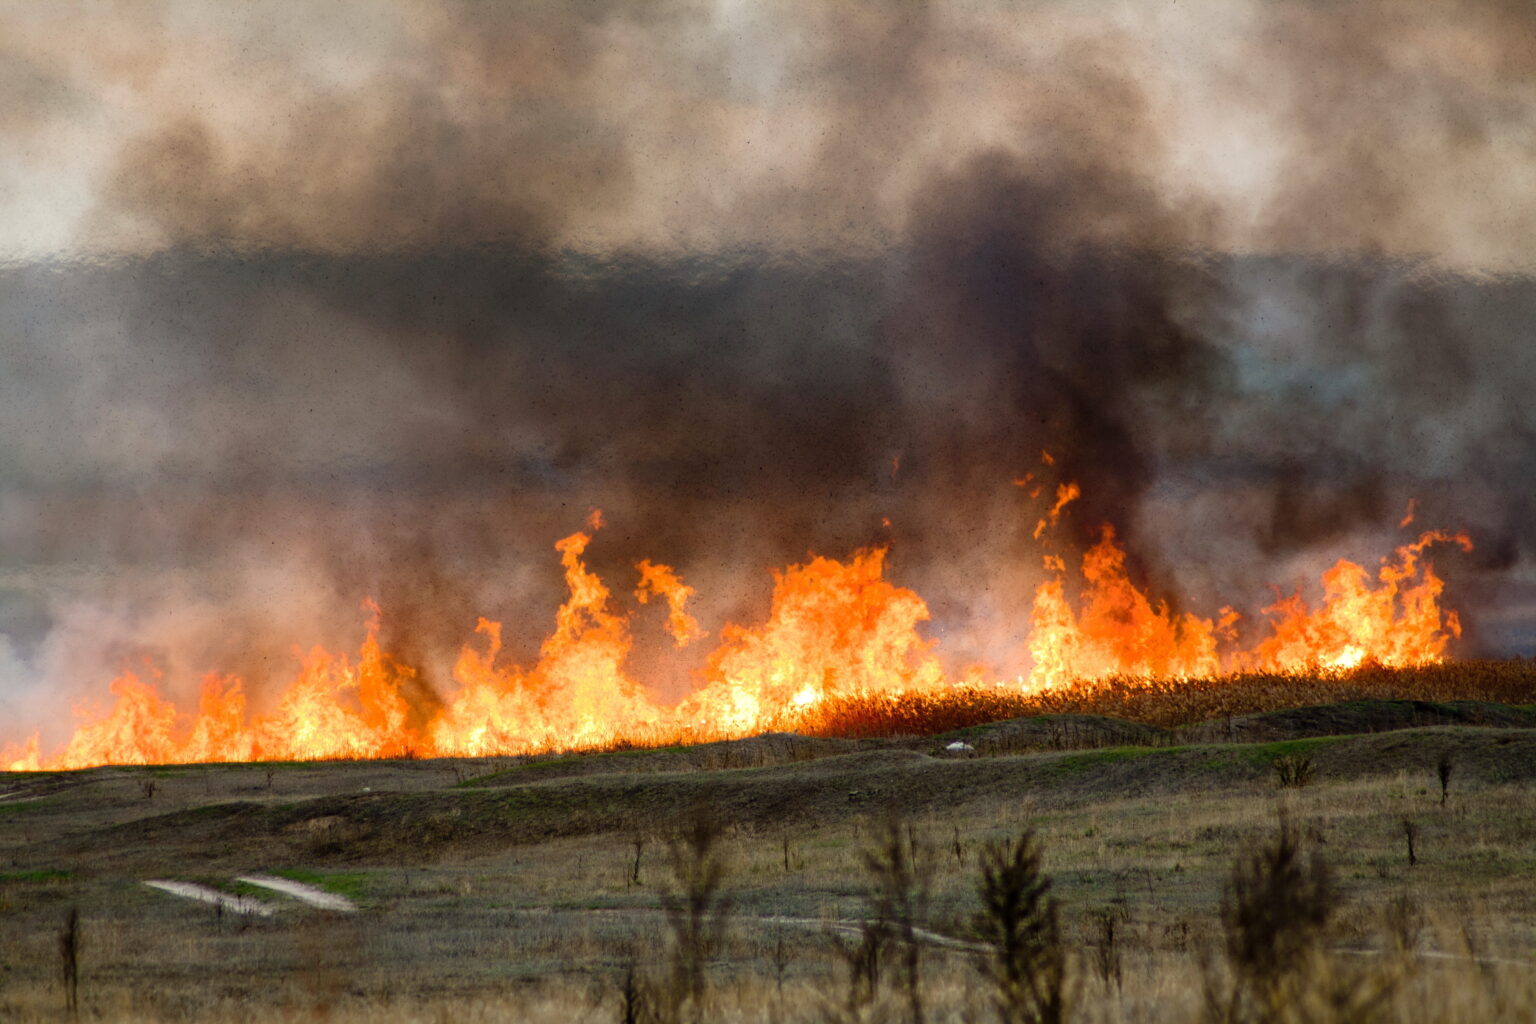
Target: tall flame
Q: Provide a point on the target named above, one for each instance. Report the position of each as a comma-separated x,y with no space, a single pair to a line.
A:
835,629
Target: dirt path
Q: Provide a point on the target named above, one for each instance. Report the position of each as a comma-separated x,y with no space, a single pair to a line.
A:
840,926
854,928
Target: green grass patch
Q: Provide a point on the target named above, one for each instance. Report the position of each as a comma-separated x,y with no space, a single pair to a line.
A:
351,884
1075,763
1262,755
244,890
1213,757
15,809
555,765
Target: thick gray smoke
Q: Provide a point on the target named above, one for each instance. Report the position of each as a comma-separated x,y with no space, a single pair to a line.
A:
388,311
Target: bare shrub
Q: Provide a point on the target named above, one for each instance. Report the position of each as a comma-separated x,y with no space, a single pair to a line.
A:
1411,836
1276,914
1294,771
1443,768
636,843
900,868
899,865
1106,947
698,912
1019,920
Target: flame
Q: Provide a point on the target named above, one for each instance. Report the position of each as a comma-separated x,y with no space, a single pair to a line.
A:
1065,495
1394,621
661,581
1118,630
835,629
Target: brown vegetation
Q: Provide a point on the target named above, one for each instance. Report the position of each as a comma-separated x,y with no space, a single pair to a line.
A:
1174,702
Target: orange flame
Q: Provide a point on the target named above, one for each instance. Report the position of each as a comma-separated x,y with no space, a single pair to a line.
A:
1065,495
1118,630
1394,623
661,581
835,629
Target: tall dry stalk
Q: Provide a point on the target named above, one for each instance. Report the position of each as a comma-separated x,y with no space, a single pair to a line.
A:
69,956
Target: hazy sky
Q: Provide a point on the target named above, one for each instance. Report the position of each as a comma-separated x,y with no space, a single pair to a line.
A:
1363,126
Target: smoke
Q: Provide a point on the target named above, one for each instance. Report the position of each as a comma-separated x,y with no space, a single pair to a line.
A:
311,306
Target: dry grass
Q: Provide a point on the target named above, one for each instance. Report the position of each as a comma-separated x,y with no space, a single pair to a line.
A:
544,929
544,932
1172,702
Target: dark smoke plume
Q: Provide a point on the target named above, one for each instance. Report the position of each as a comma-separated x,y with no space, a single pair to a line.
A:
390,312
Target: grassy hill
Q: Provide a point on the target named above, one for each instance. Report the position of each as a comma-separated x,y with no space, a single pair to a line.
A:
530,885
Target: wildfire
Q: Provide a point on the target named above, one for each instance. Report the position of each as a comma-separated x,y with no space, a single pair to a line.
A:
835,629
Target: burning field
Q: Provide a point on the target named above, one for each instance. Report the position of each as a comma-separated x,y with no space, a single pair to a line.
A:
1057,361
445,444
837,631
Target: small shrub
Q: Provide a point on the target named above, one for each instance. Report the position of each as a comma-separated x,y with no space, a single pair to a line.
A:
1106,947
1443,769
900,867
1278,903
1019,919
1274,914
1404,921
697,911
1294,771
780,959
864,961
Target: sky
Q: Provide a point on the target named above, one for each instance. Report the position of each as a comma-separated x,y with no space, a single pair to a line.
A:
301,304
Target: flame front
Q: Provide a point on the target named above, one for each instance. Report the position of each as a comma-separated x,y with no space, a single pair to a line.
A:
835,629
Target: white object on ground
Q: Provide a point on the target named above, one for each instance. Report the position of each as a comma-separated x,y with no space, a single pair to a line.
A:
223,900
310,894
959,747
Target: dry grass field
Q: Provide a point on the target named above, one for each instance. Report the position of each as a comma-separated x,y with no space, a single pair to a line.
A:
838,881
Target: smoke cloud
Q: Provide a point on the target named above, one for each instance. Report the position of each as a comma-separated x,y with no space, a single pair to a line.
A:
301,307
